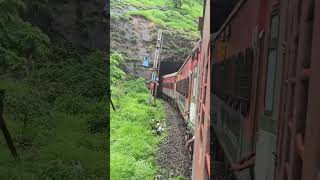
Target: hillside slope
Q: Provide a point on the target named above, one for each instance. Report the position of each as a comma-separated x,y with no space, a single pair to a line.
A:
134,28
80,22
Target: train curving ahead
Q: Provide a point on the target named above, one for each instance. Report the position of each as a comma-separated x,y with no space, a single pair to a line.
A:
189,88
182,87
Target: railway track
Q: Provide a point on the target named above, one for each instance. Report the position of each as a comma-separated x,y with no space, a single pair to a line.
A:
173,157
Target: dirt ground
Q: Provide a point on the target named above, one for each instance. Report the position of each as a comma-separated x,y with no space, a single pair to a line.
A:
173,157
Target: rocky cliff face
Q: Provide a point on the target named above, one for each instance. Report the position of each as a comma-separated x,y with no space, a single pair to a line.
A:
81,22
135,37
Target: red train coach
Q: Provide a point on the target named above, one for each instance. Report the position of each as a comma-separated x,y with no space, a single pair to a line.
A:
264,98
298,146
192,95
201,155
264,77
168,85
245,96
182,87
232,73
186,88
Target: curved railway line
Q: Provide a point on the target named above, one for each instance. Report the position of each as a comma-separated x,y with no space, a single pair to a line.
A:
172,157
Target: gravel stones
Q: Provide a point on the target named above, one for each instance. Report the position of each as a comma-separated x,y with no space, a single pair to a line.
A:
173,157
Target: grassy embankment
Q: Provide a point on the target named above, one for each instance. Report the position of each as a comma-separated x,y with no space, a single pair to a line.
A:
133,145
184,19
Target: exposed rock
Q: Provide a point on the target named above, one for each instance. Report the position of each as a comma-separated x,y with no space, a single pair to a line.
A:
135,37
78,21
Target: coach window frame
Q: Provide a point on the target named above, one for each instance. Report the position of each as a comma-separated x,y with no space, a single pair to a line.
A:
272,47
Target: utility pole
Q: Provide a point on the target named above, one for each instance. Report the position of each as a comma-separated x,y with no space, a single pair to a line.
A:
156,65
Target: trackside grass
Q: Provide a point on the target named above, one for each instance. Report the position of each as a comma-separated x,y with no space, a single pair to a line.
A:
133,145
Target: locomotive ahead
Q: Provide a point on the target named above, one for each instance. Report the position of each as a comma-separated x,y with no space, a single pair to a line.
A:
263,65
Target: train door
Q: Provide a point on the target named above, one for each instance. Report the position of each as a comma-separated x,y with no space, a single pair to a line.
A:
193,106
266,137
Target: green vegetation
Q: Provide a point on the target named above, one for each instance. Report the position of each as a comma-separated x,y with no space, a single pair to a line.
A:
54,105
184,18
133,145
179,3
169,18
178,178
59,127
20,43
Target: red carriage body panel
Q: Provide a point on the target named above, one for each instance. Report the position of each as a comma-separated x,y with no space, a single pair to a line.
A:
232,73
183,86
201,156
280,121
239,78
168,84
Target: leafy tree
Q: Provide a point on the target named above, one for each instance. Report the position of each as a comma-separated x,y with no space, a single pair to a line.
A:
21,44
116,73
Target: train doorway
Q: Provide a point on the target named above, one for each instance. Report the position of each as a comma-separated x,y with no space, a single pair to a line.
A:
265,143
193,104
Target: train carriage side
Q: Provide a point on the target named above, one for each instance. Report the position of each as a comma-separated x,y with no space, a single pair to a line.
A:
201,155
168,85
298,148
183,87
285,130
194,83
267,88
262,62
233,76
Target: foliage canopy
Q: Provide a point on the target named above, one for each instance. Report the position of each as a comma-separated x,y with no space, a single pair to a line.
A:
20,42
55,102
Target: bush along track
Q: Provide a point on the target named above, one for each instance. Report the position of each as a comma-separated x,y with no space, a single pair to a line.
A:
57,122
54,105
143,146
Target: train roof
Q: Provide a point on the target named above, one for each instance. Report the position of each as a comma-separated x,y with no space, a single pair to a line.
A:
229,18
170,75
197,46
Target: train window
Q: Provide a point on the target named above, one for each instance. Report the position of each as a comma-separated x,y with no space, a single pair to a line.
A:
228,31
195,82
206,73
272,63
183,87
224,36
